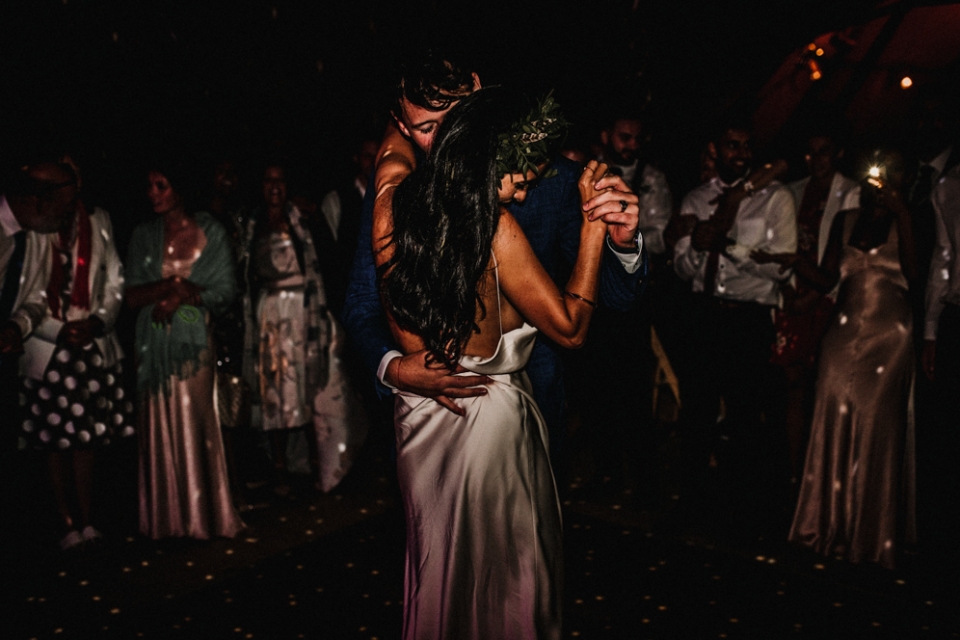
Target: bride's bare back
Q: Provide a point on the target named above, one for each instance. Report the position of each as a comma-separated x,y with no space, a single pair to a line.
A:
526,292
500,317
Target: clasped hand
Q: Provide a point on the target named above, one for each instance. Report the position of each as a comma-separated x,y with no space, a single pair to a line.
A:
176,292
80,332
607,197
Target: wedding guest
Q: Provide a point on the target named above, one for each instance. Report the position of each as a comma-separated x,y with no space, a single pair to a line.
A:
34,202
857,492
805,312
179,275
341,209
300,375
941,363
234,396
740,210
73,393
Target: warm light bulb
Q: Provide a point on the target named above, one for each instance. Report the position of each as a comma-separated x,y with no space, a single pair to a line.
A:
874,172
819,52
906,82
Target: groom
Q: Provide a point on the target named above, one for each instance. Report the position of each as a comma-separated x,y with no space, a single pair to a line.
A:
550,217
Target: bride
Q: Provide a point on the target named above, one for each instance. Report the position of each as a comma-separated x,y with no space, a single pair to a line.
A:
458,278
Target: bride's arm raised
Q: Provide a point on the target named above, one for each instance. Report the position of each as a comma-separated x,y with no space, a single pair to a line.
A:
563,316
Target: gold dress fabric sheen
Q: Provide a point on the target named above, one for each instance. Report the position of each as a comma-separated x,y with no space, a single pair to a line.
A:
484,535
184,490
857,495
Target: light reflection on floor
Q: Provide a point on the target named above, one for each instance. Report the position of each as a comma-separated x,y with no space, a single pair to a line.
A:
331,567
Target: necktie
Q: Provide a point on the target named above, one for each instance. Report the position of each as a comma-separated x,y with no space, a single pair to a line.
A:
922,186
924,229
11,283
710,274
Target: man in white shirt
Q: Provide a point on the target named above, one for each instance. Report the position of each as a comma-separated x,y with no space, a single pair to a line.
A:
342,207
941,364
943,285
935,128
936,156
617,360
735,297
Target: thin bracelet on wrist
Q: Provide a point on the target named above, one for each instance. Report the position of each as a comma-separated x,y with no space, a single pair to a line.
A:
577,296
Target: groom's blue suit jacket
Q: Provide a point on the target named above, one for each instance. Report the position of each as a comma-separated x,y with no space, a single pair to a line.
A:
550,217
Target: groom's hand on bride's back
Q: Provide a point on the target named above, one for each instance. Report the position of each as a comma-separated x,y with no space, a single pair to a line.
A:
414,374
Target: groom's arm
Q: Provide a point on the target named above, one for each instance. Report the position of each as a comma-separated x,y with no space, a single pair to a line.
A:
363,315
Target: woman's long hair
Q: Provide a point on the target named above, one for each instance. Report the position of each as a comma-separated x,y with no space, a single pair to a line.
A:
445,215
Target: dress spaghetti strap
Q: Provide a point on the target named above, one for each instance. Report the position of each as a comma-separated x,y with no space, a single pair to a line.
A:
496,275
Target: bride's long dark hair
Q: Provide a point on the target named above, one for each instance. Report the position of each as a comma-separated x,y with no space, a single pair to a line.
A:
445,215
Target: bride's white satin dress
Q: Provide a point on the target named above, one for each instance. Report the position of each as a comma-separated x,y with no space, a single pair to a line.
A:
484,536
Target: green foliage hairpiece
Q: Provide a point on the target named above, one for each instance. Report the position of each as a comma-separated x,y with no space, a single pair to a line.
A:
532,140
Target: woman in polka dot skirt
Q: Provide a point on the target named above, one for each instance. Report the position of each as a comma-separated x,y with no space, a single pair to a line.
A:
73,397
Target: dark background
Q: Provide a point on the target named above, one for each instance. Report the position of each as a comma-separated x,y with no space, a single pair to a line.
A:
119,79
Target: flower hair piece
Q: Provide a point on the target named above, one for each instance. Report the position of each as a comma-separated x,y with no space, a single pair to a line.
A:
532,140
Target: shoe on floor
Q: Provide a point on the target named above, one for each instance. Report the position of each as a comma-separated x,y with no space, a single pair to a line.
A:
71,540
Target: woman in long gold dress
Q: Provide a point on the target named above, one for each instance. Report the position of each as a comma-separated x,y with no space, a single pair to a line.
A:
179,272
857,491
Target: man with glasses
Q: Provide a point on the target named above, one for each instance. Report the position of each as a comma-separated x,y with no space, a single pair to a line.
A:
34,202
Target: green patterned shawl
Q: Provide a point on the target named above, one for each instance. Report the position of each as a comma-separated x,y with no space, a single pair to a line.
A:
180,348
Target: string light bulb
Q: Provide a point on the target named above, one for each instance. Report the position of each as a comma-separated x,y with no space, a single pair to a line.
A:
808,59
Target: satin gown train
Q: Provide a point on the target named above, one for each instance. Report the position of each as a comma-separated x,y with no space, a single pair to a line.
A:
857,495
484,536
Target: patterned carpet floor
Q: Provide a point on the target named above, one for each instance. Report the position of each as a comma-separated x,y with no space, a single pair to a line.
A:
331,566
